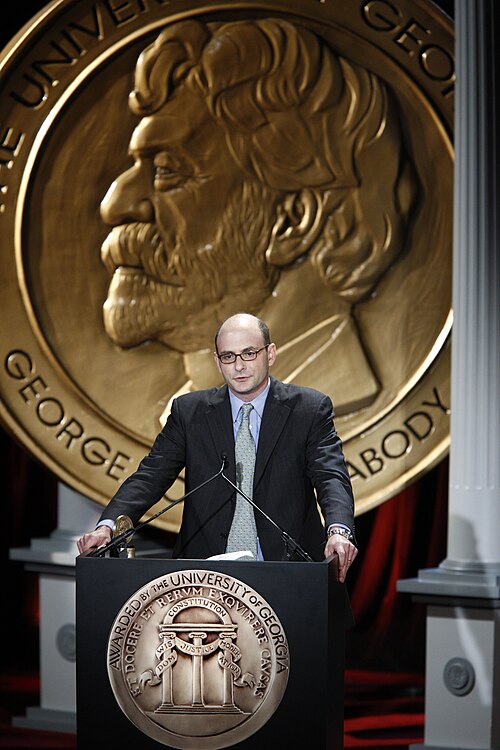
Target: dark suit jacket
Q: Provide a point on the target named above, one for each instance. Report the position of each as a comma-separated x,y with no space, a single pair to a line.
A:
298,452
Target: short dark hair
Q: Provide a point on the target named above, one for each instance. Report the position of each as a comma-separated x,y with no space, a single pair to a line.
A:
263,327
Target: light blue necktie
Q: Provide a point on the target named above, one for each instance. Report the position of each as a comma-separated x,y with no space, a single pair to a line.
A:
243,532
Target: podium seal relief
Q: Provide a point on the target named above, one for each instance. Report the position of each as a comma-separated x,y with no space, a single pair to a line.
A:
197,659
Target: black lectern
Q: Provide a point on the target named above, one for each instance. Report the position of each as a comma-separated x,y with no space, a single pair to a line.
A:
207,654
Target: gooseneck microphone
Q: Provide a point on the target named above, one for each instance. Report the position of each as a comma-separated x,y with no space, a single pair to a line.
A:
289,541
117,540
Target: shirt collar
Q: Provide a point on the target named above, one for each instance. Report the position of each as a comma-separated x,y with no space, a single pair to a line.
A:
258,403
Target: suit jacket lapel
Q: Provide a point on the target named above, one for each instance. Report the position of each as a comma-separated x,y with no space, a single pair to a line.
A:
274,417
220,424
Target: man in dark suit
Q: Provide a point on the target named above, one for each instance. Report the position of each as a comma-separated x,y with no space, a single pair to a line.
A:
298,463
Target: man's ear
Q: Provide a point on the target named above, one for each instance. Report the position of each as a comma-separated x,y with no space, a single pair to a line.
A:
299,220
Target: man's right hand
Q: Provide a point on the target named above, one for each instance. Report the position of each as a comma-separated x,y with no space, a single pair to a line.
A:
97,538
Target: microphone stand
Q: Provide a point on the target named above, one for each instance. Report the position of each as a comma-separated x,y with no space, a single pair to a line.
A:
289,541
100,551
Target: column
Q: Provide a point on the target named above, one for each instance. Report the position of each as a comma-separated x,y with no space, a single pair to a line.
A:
198,637
474,507
462,703
166,676
228,690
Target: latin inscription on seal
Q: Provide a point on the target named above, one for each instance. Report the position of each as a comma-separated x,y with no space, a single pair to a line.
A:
198,659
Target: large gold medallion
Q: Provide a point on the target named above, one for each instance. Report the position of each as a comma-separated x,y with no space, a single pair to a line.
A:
197,659
167,163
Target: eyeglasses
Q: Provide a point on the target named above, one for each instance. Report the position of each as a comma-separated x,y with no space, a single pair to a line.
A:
228,358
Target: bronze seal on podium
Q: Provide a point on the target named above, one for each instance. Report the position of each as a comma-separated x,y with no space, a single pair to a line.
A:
166,164
197,659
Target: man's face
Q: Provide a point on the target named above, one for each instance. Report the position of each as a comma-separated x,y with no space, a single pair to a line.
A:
190,232
245,379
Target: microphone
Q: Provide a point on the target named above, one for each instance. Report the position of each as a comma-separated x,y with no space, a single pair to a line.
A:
289,541
100,551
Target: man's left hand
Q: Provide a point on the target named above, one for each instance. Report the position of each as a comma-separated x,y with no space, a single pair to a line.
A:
345,550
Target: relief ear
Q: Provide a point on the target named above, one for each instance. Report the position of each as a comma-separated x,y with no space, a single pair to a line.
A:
299,220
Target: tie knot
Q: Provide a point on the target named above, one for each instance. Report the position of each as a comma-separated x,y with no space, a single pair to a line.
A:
245,411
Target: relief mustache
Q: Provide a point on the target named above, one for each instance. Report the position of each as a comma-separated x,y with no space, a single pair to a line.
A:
136,245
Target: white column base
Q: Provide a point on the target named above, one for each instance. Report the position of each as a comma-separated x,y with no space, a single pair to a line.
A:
462,686
48,720
461,700
53,558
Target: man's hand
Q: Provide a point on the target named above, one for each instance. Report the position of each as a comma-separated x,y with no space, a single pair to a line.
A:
345,550
97,538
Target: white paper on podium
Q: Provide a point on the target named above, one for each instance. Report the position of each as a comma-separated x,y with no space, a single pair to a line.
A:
240,555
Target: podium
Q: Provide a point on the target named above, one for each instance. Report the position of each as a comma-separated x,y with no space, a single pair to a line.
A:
207,654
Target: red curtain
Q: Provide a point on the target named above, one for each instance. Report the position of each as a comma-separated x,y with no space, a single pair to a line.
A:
396,540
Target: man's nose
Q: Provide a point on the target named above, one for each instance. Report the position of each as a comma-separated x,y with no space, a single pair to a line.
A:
127,199
239,364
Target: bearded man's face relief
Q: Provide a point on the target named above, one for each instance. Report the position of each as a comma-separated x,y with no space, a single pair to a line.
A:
190,231
256,176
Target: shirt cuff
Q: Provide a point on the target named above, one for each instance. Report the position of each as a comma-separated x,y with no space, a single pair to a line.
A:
340,525
106,522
